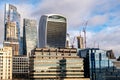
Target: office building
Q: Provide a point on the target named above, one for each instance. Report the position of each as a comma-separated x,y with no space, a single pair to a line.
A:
14,45
52,31
6,63
12,28
56,64
100,64
80,42
12,23
20,67
29,35
21,45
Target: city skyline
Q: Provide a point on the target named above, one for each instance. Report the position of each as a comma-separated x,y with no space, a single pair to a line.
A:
102,16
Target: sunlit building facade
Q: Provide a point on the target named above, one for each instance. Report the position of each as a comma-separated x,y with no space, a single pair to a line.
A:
56,64
52,31
6,63
14,45
29,35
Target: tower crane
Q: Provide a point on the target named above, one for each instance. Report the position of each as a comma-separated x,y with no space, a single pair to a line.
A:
84,31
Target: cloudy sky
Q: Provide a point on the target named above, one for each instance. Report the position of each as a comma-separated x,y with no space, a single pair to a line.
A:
103,18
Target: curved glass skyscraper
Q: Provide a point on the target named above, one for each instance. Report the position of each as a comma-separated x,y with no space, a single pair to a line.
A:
52,31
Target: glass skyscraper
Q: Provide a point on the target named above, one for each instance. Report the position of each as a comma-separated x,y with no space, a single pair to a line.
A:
52,31
29,35
12,24
12,28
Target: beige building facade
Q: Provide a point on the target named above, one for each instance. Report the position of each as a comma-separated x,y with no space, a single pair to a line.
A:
14,45
56,64
6,63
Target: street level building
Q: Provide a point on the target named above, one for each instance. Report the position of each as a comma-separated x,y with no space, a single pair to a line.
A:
56,64
6,63
52,31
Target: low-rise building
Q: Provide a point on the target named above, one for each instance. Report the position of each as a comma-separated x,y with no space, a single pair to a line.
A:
6,63
100,64
20,67
56,64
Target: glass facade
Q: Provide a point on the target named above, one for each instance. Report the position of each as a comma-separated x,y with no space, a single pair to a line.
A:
11,18
12,28
52,31
29,35
101,66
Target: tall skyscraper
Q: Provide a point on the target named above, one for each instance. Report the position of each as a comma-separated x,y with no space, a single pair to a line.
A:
29,35
12,23
52,31
12,28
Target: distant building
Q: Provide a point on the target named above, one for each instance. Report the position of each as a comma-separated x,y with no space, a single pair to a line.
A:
67,41
100,64
52,31
20,67
21,45
6,63
29,35
80,42
14,45
56,64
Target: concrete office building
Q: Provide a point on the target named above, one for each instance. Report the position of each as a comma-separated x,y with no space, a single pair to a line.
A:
56,64
29,35
20,67
6,63
52,31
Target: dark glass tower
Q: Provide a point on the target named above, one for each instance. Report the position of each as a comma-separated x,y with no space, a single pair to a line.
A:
29,35
52,31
